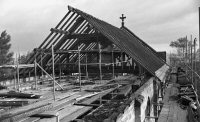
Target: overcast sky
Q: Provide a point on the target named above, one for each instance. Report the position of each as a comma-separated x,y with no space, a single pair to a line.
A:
157,22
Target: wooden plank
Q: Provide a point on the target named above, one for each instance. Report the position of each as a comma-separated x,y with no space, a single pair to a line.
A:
47,114
19,95
30,119
58,104
32,108
75,114
53,119
83,36
125,90
85,96
82,104
13,103
59,31
68,110
171,111
96,97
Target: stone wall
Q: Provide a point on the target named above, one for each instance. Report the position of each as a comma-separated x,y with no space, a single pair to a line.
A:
147,93
128,115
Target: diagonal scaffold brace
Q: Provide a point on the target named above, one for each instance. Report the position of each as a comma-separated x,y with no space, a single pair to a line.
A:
49,75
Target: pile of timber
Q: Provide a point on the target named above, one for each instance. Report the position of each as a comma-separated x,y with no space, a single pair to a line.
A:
14,94
113,108
108,112
102,88
41,110
3,87
16,103
188,96
124,91
38,107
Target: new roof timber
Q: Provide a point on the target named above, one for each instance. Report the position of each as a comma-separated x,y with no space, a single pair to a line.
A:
59,31
83,36
48,51
81,29
131,45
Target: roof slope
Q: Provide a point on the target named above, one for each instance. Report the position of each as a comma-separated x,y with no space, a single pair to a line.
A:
143,43
125,41
76,22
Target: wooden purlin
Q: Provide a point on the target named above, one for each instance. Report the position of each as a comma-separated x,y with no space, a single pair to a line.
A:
56,28
41,46
68,27
74,44
68,41
71,30
73,55
87,17
67,21
63,57
82,55
67,44
59,31
77,42
83,36
50,42
83,49
92,45
114,34
50,35
84,25
62,40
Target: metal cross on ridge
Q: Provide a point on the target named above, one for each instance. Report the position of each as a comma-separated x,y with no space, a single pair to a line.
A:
122,18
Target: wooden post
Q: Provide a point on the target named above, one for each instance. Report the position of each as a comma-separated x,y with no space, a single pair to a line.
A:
122,62
35,74
86,67
100,70
15,80
100,100
199,42
79,67
195,82
186,55
199,34
41,58
29,76
113,65
49,75
60,72
67,66
191,63
53,72
18,82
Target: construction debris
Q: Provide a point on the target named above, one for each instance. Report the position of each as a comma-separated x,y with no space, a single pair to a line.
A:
14,94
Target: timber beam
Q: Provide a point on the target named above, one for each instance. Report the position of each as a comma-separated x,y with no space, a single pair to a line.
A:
84,36
59,31
84,104
76,36
13,103
48,51
151,117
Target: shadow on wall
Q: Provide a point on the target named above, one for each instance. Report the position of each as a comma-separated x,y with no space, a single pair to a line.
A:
137,107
